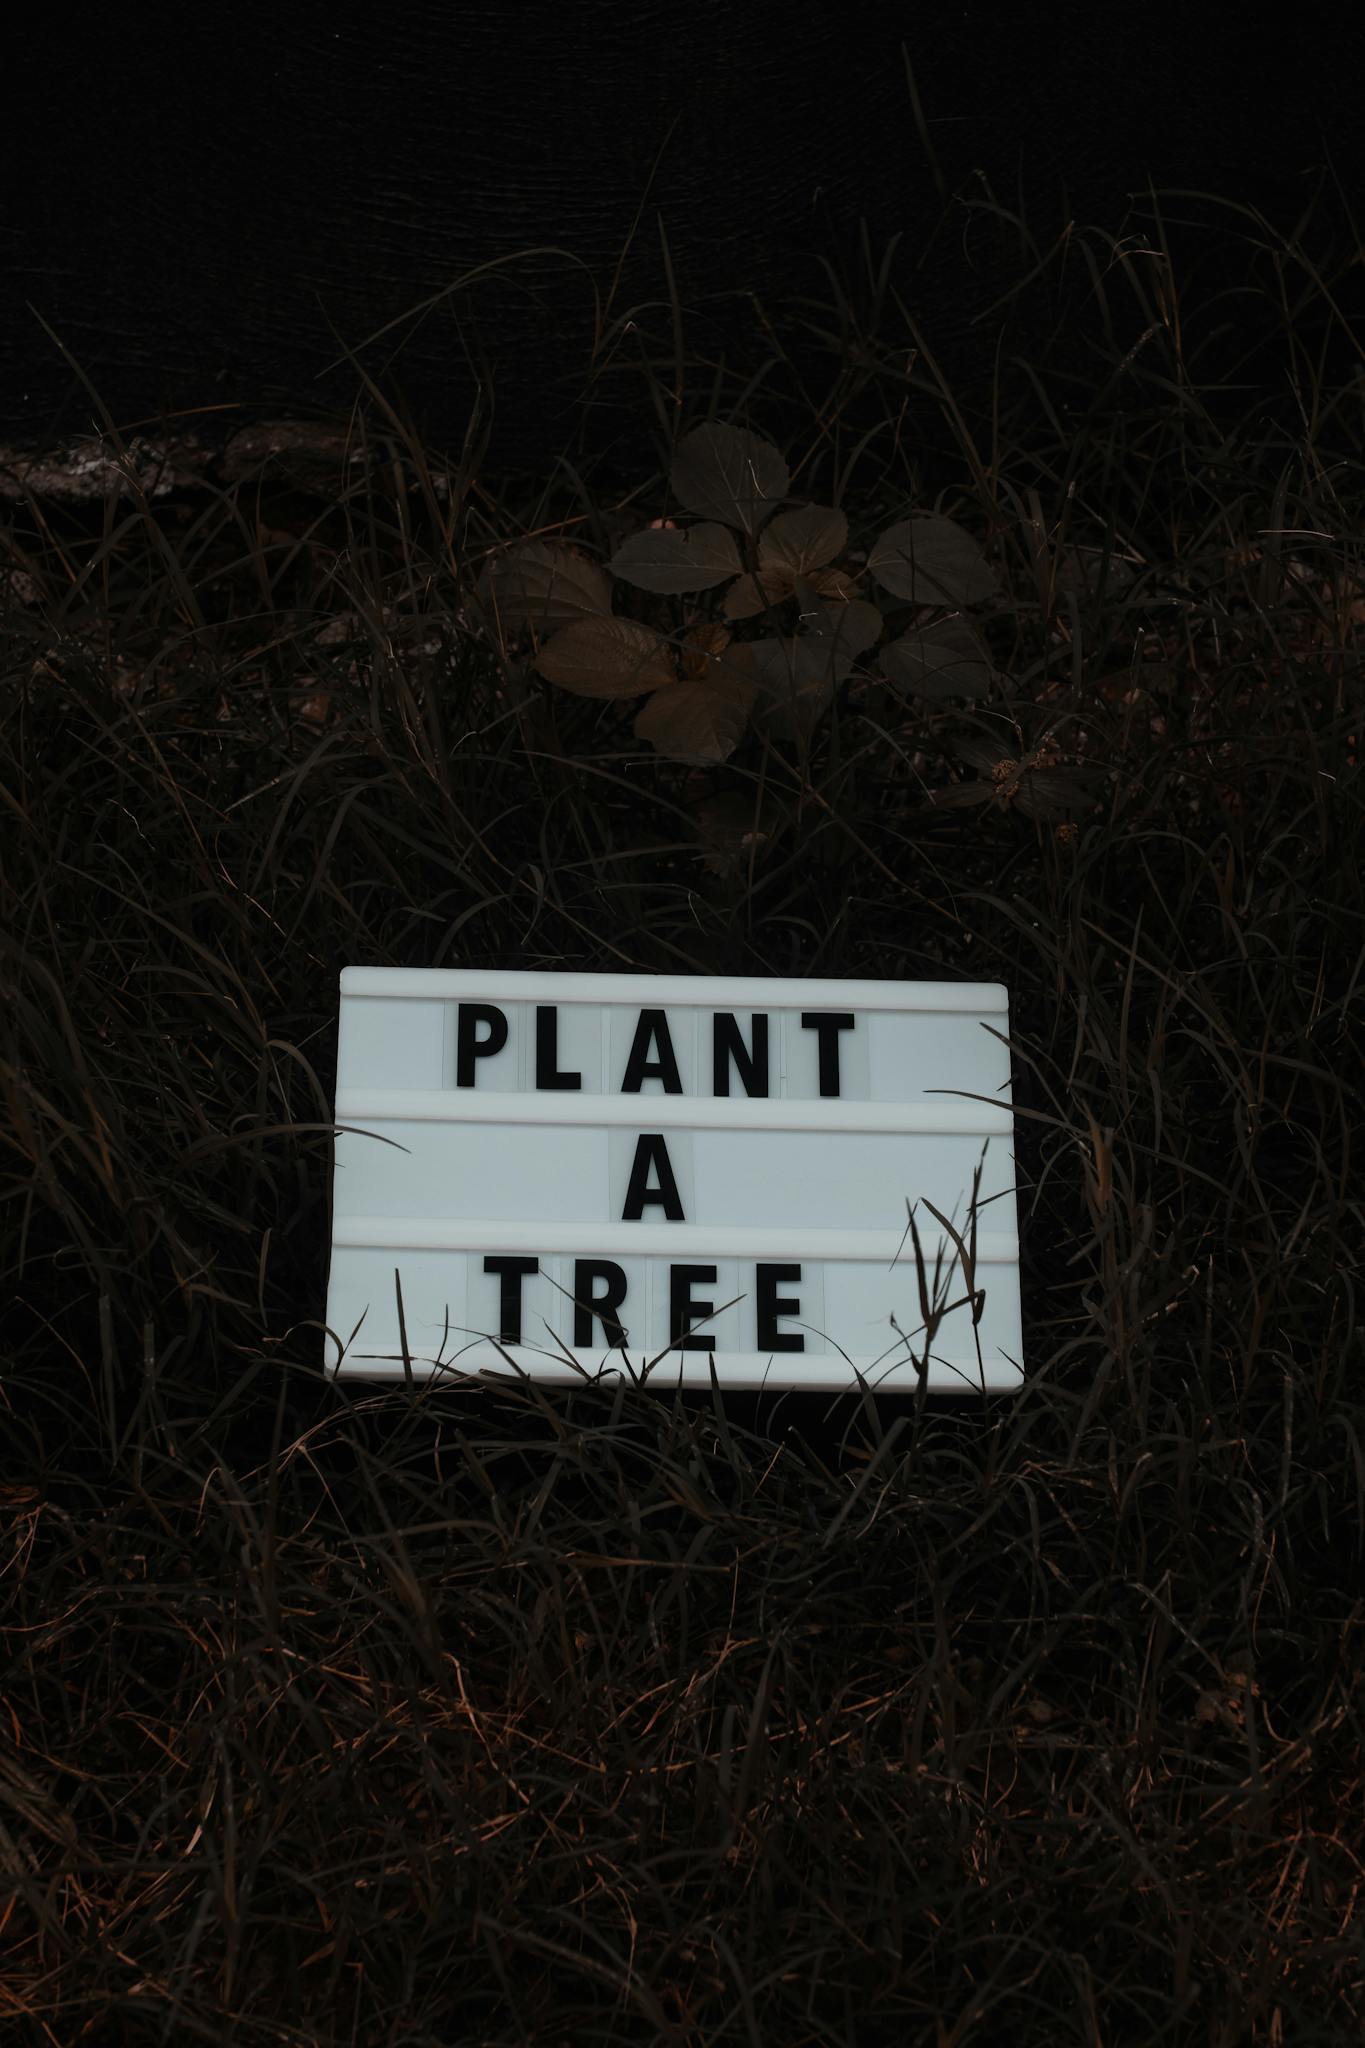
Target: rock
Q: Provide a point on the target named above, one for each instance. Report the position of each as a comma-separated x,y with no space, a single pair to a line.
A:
85,471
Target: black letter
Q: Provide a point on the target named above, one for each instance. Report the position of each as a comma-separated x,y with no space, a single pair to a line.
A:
727,1044
650,1150
470,1048
682,1309
653,1026
547,1051
771,1305
512,1272
605,1307
829,1023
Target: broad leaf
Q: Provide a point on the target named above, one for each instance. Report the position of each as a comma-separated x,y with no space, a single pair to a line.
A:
929,560
700,721
750,595
541,585
606,658
995,758
727,473
806,538
962,795
684,558
846,629
939,660
1035,783
1053,794
708,652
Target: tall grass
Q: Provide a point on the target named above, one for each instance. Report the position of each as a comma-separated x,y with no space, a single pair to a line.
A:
496,1714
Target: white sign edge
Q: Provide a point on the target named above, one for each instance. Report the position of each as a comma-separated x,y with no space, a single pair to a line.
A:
742,1372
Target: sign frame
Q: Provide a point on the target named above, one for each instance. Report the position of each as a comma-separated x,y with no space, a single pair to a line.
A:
970,1271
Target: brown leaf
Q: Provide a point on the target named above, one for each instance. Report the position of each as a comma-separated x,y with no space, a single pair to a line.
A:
606,657
703,646
701,720
780,581
801,540
541,585
836,584
750,595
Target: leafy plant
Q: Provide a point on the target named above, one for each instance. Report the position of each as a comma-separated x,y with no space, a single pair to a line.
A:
1033,782
705,685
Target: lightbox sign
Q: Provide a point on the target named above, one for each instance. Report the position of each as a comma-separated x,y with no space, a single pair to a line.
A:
560,1173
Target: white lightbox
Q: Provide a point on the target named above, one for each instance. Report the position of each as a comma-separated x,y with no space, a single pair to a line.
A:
561,1173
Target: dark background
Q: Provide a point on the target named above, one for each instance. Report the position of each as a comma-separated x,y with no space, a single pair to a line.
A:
206,207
